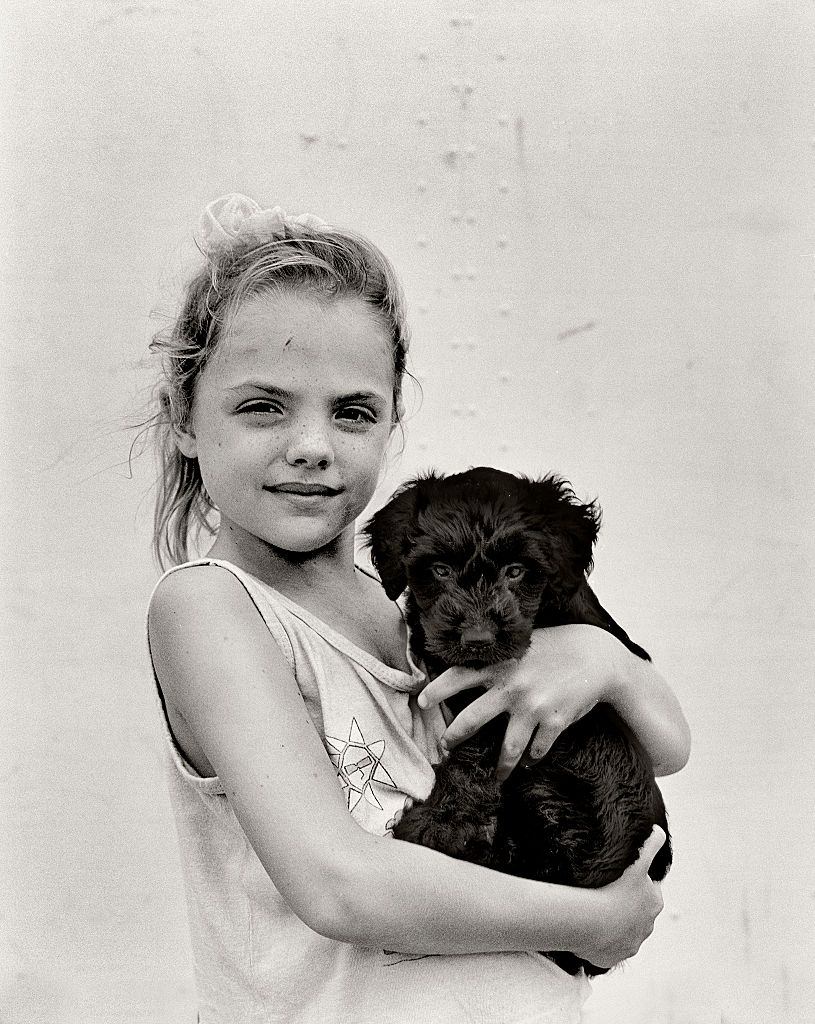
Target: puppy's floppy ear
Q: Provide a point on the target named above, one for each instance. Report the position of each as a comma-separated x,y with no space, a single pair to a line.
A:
571,526
389,532
584,607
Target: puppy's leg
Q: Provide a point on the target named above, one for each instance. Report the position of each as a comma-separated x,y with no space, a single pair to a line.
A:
460,815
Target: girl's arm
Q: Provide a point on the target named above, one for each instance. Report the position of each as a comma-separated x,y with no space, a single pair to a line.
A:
221,670
567,670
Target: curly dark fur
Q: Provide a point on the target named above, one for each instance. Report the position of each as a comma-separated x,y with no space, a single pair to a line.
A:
486,557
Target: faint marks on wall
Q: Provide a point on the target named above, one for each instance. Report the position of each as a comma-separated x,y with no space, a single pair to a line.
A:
470,147
116,10
470,82
579,329
347,115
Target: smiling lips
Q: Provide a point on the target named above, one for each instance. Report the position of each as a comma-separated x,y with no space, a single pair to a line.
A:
301,488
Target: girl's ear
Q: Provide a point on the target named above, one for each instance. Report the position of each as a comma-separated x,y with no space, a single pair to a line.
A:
389,534
185,441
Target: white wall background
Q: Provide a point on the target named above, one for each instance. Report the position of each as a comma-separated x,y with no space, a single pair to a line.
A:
603,216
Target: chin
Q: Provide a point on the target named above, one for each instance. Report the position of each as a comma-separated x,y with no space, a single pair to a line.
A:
304,541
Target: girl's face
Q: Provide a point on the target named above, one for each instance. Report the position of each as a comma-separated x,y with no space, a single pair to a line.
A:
291,419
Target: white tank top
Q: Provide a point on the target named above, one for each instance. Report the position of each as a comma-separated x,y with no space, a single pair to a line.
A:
255,960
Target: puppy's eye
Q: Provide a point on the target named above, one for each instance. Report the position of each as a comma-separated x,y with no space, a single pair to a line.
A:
514,571
441,571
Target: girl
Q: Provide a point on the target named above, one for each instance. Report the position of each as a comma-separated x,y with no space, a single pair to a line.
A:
294,722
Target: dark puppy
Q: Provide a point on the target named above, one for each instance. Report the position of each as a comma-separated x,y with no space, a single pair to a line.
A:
486,557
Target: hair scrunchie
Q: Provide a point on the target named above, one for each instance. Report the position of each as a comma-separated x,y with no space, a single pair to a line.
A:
236,217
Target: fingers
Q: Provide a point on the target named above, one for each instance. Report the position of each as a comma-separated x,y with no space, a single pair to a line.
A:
469,721
516,740
454,680
545,737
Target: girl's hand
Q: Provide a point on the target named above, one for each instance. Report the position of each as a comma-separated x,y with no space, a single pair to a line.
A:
565,672
628,909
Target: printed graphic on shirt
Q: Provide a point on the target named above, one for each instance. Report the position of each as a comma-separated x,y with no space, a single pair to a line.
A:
359,766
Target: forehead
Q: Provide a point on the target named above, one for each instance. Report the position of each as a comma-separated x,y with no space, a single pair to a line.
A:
293,336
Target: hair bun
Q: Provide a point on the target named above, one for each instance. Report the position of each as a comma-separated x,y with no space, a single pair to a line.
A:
235,216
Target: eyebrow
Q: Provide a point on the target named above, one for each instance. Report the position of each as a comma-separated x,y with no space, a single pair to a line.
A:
362,396
276,392
256,385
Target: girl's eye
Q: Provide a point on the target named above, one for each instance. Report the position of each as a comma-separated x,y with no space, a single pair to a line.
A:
441,571
514,571
357,414
261,407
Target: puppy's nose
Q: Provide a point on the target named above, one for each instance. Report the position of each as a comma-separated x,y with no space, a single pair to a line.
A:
477,635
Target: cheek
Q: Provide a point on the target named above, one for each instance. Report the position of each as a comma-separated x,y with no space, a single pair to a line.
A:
368,455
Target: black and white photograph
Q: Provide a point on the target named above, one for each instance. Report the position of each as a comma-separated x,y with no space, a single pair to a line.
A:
407,500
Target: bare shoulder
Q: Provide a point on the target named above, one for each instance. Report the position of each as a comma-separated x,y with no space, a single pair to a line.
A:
194,592
202,622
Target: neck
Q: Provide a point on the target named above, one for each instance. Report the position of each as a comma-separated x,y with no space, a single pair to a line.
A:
287,571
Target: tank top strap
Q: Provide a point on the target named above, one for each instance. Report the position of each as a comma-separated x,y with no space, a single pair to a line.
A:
262,597
285,620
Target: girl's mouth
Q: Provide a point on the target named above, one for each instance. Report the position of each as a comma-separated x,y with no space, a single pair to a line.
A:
295,487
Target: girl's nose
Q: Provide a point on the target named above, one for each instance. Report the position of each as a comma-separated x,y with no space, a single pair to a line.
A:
310,447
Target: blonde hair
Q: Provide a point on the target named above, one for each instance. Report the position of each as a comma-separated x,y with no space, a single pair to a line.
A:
321,260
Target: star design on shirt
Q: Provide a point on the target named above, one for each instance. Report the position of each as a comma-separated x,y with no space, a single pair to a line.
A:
359,766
